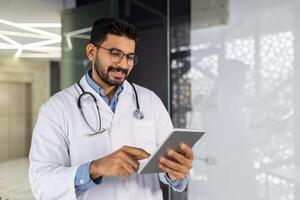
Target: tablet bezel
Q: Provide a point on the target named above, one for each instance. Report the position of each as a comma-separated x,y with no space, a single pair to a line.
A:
187,136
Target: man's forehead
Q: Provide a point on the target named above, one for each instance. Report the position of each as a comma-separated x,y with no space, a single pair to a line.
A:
120,42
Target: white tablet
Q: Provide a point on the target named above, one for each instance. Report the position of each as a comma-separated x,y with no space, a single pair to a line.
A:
178,136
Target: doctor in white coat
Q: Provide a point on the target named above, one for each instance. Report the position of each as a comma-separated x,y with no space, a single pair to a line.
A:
90,137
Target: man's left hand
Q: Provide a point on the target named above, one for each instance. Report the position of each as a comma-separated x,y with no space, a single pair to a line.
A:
178,164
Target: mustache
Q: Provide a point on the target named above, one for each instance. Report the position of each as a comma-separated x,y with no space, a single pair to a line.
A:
117,69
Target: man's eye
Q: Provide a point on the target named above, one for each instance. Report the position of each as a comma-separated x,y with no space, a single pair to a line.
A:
115,52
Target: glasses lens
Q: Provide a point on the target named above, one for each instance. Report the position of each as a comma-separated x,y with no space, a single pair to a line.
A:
116,55
132,59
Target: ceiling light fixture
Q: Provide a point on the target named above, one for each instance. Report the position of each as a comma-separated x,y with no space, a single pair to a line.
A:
76,34
40,40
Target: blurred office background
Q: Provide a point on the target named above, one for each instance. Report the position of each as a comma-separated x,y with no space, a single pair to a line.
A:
228,67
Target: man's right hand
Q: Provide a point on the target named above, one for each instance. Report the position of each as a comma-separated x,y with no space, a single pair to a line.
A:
122,162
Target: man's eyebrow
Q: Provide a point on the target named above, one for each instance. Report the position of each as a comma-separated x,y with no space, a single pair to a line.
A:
122,50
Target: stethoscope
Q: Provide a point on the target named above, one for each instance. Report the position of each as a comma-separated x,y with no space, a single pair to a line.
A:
137,113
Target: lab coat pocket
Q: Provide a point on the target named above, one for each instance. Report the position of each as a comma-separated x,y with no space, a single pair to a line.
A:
144,132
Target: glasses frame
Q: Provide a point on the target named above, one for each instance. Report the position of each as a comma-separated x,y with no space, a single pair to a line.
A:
135,58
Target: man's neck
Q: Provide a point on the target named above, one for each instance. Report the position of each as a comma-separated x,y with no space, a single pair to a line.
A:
109,90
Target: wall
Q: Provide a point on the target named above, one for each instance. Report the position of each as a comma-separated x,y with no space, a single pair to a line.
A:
32,71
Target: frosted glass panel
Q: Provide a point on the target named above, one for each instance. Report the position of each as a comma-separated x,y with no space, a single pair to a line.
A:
241,88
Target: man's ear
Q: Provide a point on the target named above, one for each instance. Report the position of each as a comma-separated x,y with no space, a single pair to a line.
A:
90,52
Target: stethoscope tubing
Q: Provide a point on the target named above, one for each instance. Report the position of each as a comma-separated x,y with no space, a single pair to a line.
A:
137,112
100,130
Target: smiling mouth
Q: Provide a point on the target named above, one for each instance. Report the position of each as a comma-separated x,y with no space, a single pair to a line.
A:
118,74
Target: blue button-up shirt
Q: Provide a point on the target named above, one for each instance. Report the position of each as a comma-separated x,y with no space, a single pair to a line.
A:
113,103
83,180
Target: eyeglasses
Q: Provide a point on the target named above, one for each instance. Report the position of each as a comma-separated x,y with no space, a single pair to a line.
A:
116,55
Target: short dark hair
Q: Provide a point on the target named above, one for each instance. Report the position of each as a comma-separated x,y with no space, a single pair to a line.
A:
104,26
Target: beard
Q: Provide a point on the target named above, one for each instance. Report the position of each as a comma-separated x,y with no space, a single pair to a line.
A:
104,76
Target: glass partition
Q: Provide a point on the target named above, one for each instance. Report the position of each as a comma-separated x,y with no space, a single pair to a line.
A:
238,82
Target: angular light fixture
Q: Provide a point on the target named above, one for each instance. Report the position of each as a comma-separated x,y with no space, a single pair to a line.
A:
43,44
76,34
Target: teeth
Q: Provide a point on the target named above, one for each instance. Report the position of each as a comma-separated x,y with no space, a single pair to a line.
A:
118,73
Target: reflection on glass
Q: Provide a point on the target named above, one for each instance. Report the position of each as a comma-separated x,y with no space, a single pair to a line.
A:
241,93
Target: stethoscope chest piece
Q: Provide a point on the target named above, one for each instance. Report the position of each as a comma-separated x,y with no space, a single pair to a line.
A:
138,114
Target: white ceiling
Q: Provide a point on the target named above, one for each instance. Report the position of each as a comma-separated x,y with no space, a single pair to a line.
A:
31,28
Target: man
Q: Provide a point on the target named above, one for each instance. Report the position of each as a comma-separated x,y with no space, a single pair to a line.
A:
87,143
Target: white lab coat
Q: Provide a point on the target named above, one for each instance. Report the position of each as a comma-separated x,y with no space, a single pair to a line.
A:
60,144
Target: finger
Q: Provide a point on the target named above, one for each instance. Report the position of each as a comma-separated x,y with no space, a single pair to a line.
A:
135,164
173,165
126,166
137,153
172,173
188,151
129,169
180,159
122,172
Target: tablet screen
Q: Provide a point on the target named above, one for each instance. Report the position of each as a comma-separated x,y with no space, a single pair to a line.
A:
178,136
